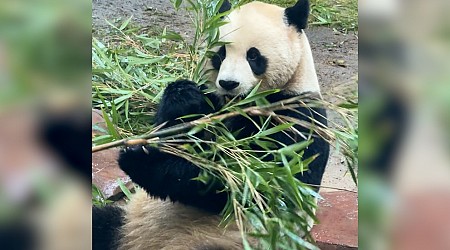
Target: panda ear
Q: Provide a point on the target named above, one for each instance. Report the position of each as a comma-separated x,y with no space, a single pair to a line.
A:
298,14
226,6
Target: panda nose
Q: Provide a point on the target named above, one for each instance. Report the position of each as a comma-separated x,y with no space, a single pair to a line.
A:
228,85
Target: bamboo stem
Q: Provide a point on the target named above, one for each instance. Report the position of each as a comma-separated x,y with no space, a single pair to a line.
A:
254,110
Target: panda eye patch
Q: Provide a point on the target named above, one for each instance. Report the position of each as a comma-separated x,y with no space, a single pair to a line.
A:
253,54
257,62
218,57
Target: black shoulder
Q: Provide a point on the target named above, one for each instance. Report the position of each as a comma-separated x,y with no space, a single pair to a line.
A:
317,116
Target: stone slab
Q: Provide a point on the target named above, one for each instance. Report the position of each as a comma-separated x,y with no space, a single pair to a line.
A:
338,217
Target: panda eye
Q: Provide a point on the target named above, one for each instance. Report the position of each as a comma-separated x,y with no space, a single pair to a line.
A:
253,54
258,63
218,57
222,53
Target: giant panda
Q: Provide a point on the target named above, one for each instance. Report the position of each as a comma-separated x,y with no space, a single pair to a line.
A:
265,44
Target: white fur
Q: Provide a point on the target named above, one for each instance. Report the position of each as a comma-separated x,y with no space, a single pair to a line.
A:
156,224
263,26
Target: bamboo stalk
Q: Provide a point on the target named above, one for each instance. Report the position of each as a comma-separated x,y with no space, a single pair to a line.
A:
254,110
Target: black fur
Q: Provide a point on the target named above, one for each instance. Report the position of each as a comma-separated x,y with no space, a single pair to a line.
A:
181,98
298,14
318,146
106,223
165,175
258,62
218,57
226,6
18,235
70,136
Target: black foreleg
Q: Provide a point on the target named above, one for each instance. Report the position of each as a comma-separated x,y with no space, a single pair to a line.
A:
164,175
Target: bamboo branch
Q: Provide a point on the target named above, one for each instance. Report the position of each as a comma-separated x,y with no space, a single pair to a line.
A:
254,110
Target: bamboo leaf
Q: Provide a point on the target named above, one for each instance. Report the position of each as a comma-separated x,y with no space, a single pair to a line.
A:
293,149
275,129
125,23
124,189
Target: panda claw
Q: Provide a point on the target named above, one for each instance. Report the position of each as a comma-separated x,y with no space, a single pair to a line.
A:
132,149
145,150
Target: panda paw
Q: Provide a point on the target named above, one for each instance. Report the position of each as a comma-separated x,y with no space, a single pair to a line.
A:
136,160
181,98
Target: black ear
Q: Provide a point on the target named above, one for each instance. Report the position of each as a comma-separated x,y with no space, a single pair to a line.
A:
298,14
226,6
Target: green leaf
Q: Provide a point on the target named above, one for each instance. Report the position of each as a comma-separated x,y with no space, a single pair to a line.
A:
254,90
173,36
132,60
124,188
258,96
275,129
177,4
294,148
197,129
301,241
191,116
125,23
101,139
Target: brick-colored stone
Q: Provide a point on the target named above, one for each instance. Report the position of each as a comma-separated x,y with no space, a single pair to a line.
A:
105,170
98,122
338,217
421,221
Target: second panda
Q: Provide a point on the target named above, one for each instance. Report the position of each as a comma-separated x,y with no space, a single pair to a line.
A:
266,44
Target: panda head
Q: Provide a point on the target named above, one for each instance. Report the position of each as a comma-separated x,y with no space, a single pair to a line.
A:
265,44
